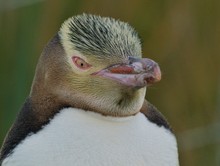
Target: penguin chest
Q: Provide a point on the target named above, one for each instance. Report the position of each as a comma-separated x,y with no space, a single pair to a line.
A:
76,137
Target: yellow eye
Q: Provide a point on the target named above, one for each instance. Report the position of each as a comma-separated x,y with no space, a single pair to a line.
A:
80,63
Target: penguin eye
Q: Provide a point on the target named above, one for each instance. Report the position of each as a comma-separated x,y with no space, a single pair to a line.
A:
80,63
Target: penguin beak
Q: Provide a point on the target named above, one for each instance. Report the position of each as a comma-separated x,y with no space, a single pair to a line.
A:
137,73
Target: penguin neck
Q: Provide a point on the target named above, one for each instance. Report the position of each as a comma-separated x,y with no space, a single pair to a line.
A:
44,104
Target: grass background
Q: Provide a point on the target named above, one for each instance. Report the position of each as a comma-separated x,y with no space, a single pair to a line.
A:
182,36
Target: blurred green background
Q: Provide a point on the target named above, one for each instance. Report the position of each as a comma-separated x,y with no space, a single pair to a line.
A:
182,36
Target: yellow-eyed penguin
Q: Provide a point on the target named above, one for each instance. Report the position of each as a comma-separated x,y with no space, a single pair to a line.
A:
86,106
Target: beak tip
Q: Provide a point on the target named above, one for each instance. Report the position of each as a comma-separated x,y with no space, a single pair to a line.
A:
157,74
153,76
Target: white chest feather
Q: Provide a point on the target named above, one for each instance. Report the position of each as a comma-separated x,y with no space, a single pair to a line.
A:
79,138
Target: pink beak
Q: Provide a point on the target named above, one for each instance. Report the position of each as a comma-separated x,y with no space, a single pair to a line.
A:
138,73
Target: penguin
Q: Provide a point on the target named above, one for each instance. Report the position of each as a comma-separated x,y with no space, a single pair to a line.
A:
87,102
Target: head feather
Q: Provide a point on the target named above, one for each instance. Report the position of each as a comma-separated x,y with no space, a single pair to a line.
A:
100,36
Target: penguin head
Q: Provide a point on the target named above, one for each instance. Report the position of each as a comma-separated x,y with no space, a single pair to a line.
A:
95,63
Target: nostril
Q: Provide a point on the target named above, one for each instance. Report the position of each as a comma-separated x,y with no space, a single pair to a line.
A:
149,67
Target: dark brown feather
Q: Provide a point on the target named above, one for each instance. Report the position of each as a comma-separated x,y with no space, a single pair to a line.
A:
153,115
